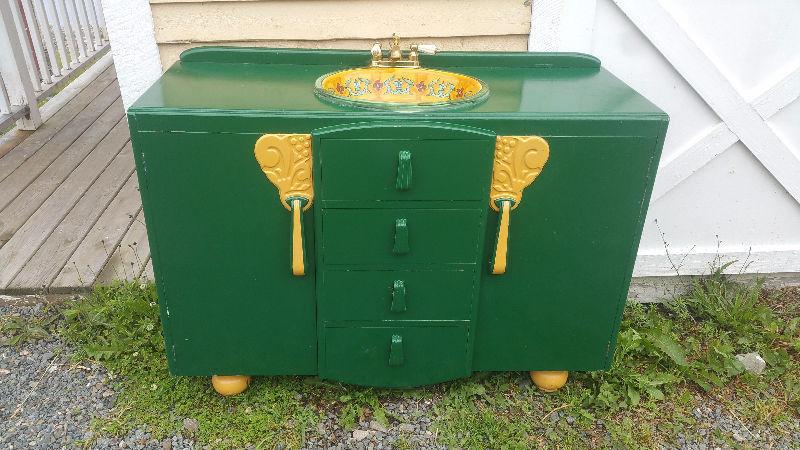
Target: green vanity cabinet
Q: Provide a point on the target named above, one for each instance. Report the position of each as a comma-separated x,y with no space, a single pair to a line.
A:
393,247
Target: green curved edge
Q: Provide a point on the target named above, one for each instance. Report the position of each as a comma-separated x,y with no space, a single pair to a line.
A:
356,58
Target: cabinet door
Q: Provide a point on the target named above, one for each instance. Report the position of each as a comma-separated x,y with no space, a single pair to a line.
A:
575,236
219,239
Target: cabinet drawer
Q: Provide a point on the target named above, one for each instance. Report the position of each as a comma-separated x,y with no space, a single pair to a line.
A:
396,356
368,169
405,236
396,295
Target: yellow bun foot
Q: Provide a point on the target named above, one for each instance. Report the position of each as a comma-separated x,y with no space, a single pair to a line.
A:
230,384
549,380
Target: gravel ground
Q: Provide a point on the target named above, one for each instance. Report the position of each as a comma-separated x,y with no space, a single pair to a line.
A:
712,418
48,402
412,429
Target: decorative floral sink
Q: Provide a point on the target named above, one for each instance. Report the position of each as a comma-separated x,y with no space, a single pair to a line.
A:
400,88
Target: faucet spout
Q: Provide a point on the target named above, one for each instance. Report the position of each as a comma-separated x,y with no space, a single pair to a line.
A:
395,54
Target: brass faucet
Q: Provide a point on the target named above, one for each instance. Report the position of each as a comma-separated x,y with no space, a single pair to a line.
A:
395,58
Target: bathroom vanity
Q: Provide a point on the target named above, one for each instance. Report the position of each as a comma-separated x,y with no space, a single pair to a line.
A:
355,216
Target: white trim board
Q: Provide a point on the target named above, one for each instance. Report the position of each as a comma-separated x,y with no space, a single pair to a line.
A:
755,262
656,289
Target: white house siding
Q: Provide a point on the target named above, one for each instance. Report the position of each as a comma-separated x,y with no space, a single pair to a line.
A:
490,24
147,34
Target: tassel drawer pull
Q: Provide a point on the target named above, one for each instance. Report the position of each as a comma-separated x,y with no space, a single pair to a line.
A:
404,171
396,351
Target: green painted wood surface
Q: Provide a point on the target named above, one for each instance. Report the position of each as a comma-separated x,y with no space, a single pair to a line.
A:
220,245
239,88
431,353
573,241
427,236
364,295
220,237
367,169
244,55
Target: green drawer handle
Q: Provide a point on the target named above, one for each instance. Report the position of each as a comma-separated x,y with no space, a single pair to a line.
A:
403,170
398,296
401,237
396,351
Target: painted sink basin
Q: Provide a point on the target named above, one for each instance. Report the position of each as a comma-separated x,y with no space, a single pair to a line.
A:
400,88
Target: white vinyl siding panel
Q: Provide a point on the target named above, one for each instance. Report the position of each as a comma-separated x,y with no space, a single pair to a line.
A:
493,25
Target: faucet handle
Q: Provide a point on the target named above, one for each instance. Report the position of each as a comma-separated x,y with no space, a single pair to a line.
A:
428,49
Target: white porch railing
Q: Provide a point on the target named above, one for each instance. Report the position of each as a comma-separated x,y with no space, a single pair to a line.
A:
42,42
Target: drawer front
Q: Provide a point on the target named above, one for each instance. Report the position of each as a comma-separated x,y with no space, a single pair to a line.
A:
373,169
396,356
401,236
362,295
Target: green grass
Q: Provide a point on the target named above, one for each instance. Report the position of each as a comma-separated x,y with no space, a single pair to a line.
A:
119,326
670,359
17,330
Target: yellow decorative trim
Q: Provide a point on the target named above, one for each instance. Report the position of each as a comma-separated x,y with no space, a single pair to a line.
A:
298,252
286,161
518,160
501,251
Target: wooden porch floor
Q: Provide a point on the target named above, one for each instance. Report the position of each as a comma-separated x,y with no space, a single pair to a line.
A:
70,211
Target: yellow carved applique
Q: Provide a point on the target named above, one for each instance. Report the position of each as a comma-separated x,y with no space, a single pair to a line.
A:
286,161
518,160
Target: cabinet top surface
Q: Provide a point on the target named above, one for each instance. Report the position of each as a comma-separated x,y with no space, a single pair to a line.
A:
270,81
